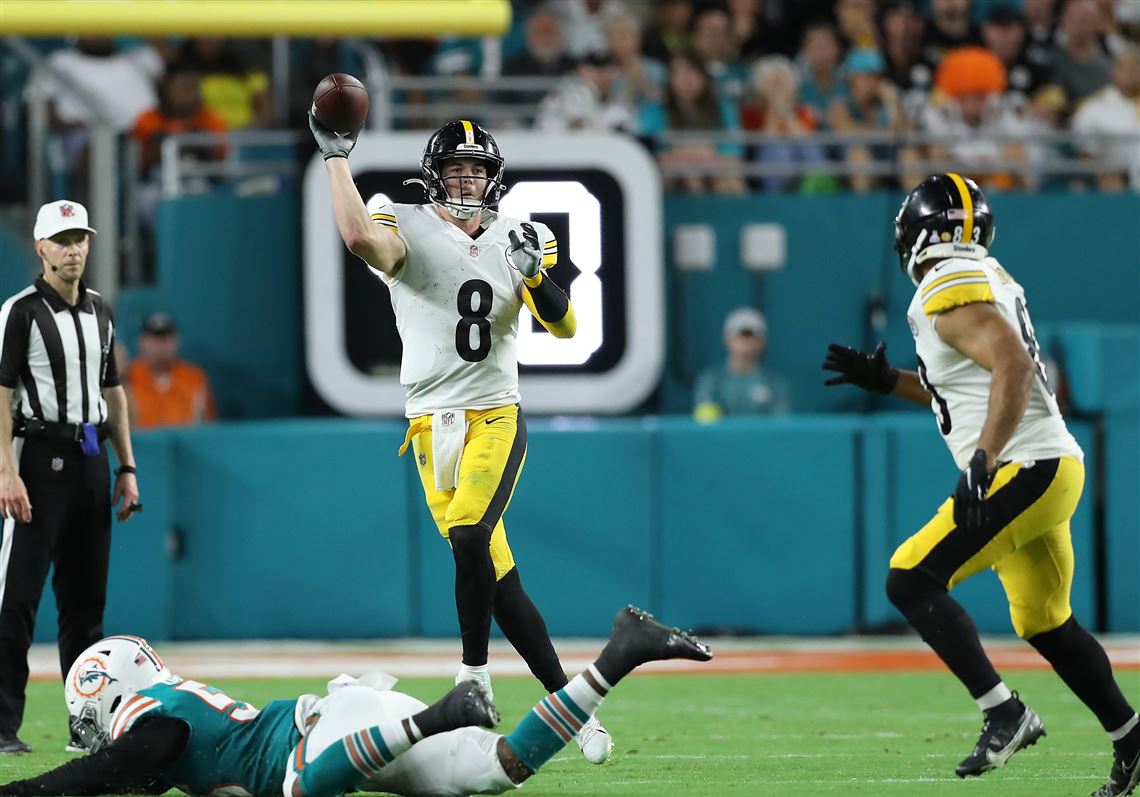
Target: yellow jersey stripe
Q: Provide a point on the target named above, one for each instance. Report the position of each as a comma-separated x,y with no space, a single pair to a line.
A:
551,243
468,131
967,208
549,261
387,216
956,275
956,296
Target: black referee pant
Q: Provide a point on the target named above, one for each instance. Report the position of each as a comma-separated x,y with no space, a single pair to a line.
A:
70,528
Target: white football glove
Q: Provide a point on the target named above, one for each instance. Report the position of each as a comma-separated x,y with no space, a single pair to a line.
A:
525,255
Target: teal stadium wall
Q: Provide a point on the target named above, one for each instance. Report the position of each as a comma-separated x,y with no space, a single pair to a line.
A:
314,529
776,526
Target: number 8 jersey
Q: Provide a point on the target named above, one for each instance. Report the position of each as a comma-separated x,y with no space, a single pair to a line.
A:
961,387
457,303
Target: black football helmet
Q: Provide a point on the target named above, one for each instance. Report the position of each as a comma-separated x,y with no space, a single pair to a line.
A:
461,139
946,215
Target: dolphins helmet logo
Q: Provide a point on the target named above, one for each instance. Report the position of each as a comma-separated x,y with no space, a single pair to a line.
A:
91,677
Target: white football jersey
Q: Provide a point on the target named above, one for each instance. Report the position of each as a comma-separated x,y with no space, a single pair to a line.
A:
457,303
960,386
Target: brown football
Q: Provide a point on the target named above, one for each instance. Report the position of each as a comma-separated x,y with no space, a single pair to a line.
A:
340,103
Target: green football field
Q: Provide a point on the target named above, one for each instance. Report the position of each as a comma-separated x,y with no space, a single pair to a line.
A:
832,733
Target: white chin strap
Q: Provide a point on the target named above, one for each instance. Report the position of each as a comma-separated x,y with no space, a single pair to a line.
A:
462,211
940,251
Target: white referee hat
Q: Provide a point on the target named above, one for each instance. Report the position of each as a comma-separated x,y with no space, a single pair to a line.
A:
56,217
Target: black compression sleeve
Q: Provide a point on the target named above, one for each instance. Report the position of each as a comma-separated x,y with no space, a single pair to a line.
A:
550,302
126,766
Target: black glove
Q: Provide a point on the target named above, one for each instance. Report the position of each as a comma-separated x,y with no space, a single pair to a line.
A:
525,254
868,371
970,511
332,145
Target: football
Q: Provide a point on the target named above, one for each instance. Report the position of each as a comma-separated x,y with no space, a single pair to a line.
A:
340,103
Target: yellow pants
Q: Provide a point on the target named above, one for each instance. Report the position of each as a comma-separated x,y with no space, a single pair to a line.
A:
494,450
1027,542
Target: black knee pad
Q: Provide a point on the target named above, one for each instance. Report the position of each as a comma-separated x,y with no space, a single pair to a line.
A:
470,543
907,588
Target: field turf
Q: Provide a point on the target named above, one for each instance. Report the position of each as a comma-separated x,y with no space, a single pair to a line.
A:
777,734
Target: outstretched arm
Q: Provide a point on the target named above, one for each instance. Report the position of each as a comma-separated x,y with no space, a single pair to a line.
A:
126,766
373,243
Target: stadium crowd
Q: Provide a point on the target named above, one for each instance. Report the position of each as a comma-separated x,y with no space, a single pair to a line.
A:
826,81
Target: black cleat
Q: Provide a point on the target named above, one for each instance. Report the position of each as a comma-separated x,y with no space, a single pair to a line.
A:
640,638
1123,778
465,705
12,744
1000,739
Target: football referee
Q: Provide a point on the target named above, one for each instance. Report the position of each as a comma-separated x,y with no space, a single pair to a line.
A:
58,377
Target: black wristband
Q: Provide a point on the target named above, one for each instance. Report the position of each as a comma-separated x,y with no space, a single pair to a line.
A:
125,469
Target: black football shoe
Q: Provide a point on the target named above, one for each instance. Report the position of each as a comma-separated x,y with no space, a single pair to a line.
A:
1123,778
640,639
1001,738
10,743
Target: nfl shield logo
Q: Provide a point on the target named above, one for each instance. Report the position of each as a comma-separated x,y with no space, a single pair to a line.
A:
67,211
448,419
423,459
57,464
473,251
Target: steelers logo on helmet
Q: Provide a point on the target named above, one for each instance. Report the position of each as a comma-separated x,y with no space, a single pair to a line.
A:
946,215
462,139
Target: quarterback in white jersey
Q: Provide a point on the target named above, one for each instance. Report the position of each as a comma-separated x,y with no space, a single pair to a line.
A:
1022,473
459,274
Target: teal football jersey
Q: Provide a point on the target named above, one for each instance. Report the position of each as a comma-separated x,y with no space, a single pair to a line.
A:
234,749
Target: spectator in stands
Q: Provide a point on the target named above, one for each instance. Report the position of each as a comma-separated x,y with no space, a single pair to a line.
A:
1110,30
872,105
752,34
1080,64
741,385
545,55
166,390
179,110
977,128
637,78
669,32
856,22
1040,32
584,24
1004,35
819,57
119,83
232,87
901,32
1114,111
584,100
948,27
713,43
773,107
691,105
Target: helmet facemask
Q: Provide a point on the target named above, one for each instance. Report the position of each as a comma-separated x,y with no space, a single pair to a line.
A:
436,184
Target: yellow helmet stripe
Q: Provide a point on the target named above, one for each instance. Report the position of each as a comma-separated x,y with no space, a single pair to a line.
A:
468,131
967,207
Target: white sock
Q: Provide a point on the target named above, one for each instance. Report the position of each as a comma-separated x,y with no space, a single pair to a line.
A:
995,697
584,695
1124,729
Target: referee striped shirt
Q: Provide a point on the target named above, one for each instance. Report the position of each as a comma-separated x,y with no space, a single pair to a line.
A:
57,357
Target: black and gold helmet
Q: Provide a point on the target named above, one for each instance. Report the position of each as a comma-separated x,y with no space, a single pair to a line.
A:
461,139
946,215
